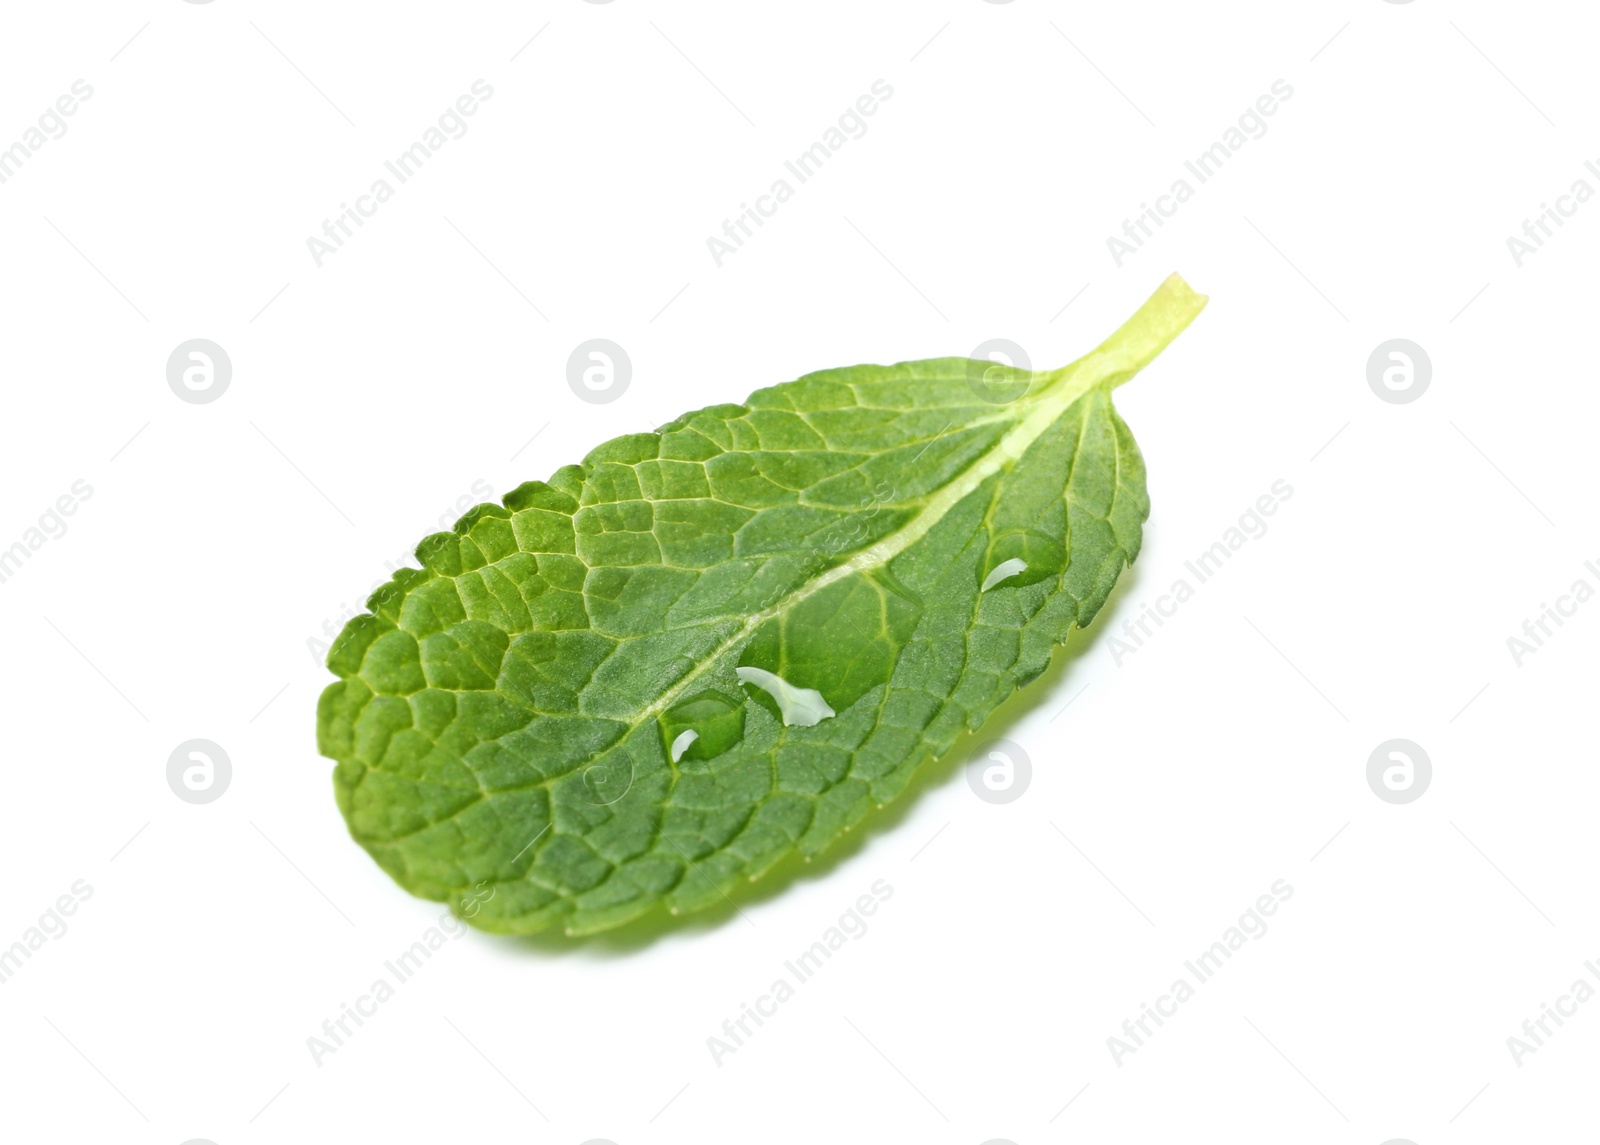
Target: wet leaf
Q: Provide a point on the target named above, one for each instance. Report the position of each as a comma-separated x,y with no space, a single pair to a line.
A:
651,678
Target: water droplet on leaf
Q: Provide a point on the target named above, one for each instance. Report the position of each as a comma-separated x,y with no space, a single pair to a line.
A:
800,707
1020,557
703,726
1003,571
681,742
841,642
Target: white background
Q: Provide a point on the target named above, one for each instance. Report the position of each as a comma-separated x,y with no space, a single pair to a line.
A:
370,393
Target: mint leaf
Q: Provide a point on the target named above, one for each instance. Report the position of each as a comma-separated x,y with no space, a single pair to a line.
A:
710,648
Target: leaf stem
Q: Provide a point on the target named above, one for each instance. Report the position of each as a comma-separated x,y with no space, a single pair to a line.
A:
1164,315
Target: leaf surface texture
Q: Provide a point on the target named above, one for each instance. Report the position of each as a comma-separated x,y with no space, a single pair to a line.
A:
827,585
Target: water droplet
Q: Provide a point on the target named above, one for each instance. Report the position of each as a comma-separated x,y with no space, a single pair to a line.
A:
801,707
1002,571
702,726
1020,557
681,742
840,642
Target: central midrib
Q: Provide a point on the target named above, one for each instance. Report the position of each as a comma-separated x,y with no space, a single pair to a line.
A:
1062,389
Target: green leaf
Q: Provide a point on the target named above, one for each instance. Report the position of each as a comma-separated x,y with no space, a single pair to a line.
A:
710,648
